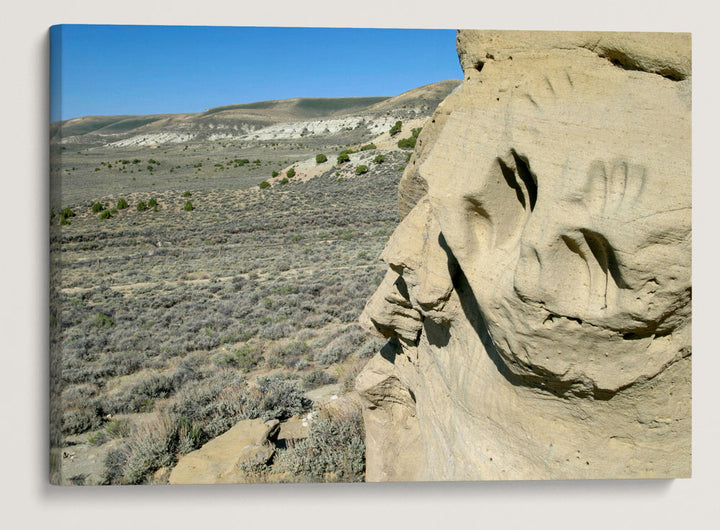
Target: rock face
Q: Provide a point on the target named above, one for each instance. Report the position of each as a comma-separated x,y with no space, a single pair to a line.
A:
538,297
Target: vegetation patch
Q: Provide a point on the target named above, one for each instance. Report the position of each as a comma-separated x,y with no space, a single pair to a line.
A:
395,129
334,450
166,325
409,143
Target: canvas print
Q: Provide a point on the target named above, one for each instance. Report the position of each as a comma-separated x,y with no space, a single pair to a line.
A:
345,255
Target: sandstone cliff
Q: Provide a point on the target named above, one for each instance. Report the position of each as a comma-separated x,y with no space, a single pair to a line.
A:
538,297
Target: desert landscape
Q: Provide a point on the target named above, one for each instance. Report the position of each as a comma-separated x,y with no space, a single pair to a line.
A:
210,269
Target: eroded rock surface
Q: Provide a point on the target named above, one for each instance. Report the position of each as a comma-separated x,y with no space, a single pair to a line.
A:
538,297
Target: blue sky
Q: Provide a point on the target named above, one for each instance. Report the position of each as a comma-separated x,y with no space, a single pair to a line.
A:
113,69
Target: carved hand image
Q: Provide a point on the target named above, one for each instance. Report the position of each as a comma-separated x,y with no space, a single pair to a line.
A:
538,296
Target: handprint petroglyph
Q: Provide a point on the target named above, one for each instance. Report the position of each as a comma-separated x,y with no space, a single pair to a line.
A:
549,228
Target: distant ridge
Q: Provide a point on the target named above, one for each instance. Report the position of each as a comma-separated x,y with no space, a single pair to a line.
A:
242,119
305,107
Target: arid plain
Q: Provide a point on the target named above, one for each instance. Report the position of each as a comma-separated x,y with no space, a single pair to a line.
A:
209,269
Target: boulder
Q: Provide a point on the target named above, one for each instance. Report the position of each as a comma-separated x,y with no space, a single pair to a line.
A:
219,460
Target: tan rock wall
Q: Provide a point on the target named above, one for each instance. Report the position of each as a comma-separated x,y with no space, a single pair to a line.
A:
539,285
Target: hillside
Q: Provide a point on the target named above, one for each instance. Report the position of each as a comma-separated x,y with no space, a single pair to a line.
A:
243,121
95,156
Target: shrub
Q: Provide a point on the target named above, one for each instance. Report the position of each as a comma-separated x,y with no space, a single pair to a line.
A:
264,184
213,406
142,206
152,447
154,386
302,364
277,397
187,193
288,355
105,214
275,173
343,157
122,204
291,173
245,358
334,352
152,202
276,330
101,320
334,450
284,181
318,378
361,169
114,464
396,128
97,207
320,158
407,143
368,147
141,396
379,159
117,428
188,206
65,214
77,421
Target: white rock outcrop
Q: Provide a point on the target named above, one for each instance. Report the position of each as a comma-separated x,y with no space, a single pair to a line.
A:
538,297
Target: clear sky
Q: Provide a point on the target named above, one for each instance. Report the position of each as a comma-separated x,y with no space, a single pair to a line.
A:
113,69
